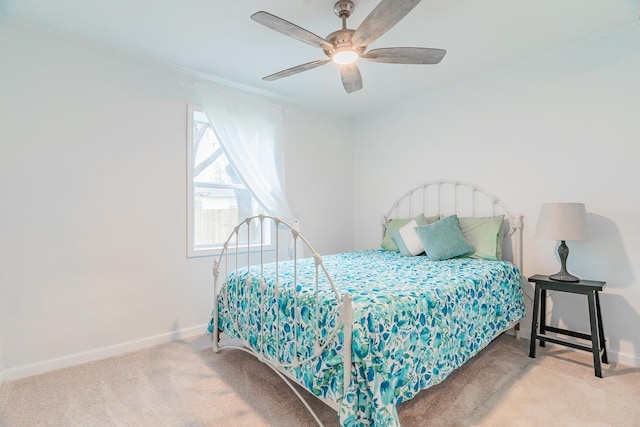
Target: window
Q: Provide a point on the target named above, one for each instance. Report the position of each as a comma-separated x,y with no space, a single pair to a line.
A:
217,198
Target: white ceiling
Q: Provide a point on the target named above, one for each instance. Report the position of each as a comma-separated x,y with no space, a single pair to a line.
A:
218,39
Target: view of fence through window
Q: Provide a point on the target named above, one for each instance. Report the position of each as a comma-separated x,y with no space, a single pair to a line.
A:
220,199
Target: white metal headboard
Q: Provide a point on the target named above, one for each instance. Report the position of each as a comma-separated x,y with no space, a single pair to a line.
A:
441,198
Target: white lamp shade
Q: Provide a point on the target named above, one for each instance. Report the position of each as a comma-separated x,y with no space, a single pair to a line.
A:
563,221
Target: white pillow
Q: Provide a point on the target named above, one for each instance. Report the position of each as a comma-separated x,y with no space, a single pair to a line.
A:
407,239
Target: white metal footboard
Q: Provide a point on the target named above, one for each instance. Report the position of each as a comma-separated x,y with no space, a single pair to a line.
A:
231,260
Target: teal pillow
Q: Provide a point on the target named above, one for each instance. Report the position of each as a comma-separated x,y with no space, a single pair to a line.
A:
485,235
443,239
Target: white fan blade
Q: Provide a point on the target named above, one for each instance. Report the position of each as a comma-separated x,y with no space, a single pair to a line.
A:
384,16
291,30
406,55
295,70
351,77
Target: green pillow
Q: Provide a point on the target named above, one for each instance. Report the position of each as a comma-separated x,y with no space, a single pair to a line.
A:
500,242
395,224
485,235
443,239
391,226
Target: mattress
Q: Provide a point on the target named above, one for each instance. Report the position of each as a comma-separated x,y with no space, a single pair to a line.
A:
415,322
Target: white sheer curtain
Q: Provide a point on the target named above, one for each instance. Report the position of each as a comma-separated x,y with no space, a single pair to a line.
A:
250,134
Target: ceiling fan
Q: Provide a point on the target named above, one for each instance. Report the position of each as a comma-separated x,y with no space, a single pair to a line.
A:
346,46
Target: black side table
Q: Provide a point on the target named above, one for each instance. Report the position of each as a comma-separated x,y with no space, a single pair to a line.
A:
590,288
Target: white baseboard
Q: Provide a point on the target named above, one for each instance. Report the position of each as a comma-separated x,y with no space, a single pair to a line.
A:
97,354
624,359
118,349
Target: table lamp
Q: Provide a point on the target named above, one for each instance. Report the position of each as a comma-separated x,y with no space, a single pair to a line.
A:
563,221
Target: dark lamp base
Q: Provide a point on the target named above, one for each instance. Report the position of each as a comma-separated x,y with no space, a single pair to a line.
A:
563,276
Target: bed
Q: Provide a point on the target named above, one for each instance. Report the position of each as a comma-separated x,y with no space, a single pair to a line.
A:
403,320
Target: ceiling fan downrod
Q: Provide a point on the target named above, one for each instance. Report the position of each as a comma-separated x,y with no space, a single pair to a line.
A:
343,10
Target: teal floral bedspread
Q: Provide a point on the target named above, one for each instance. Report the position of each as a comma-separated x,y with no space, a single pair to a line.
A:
415,321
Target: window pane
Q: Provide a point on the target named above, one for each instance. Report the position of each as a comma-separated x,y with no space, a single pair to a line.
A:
217,211
220,201
210,164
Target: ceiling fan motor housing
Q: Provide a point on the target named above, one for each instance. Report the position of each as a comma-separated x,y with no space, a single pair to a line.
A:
343,8
341,40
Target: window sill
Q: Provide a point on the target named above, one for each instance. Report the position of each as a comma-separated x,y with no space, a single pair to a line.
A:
214,252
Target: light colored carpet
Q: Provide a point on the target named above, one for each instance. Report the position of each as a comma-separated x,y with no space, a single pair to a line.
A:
185,384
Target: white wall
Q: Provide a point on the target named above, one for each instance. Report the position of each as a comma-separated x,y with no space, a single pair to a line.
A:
93,209
320,178
561,127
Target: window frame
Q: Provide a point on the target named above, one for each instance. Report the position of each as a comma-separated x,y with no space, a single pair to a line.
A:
192,251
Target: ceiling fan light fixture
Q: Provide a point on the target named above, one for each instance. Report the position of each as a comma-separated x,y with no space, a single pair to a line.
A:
345,56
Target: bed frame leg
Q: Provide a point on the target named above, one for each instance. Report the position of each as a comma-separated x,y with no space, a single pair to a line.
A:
216,330
215,339
347,314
